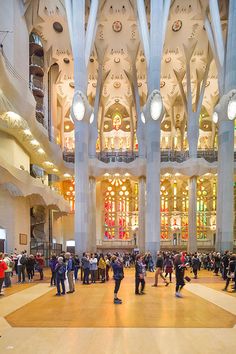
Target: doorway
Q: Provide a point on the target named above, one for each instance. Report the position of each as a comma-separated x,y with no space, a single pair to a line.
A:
2,239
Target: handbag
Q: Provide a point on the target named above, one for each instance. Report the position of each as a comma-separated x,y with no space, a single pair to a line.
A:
187,279
231,275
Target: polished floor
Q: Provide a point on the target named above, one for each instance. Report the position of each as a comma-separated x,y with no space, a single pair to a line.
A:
204,321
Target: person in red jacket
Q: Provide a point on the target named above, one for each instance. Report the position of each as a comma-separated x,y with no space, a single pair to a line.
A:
3,267
39,264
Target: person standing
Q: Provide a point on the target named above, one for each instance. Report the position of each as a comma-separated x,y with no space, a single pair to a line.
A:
60,276
70,272
21,265
231,271
39,264
93,268
102,267
159,268
52,265
77,266
118,275
139,275
8,271
3,267
86,268
107,260
30,267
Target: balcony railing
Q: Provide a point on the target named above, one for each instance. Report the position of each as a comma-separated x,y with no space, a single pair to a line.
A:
115,156
166,156
37,87
36,65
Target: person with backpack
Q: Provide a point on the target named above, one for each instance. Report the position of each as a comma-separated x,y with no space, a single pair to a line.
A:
70,272
10,265
21,266
3,267
60,276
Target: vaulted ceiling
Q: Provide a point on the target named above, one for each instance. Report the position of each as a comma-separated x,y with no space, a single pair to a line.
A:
117,46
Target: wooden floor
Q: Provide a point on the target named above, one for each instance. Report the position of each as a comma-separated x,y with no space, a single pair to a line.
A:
92,307
33,319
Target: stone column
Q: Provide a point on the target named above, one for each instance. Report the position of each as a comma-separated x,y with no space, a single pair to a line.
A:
92,215
192,213
225,179
152,232
81,185
141,214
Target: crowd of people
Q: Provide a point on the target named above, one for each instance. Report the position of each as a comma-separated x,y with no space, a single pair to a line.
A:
98,268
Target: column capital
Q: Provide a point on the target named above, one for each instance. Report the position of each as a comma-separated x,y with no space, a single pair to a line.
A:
154,108
222,107
80,110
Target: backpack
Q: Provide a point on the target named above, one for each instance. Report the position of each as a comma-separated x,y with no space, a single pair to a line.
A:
12,264
62,269
23,260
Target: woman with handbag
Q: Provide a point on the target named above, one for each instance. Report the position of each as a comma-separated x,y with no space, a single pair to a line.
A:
118,275
139,275
231,271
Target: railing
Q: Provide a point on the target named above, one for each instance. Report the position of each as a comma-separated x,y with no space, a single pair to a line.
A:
36,61
116,243
36,84
117,156
174,156
209,155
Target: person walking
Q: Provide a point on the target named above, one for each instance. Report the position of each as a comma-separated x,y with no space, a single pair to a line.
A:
93,268
159,268
195,265
139,275
168,266
180,267
30,267
70,272
60,276
118,275
3,268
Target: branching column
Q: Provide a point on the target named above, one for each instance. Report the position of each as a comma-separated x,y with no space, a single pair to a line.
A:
92,215
225,192
192,212
141,214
